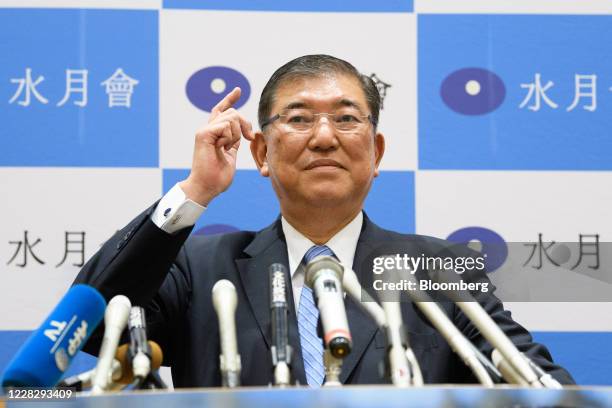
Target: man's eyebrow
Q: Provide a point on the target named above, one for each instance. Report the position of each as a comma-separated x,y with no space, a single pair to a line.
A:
296,105
344,102
348,103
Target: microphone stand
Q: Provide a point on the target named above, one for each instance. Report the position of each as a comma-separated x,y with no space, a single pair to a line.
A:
153,382
333,369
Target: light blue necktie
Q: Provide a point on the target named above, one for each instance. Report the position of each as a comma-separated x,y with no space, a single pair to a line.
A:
308,317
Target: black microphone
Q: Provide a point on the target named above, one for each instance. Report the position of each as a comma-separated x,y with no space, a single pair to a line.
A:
139,350
281,350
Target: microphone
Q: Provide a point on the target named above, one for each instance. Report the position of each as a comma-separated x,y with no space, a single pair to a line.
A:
324,276
83,380
507,370
115,320
369,305
400,369
470,355
139,351
491,331
403,367
121,368
281,350
48,352
514,377
123,356
225,301
486,373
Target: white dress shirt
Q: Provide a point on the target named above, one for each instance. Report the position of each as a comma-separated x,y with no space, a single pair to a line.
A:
343,244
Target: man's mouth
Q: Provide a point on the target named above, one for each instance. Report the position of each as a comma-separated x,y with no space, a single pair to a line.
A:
323,163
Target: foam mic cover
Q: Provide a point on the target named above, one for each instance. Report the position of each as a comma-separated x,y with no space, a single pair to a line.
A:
48,352
122,354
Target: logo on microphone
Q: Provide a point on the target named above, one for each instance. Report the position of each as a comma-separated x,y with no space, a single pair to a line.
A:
56,330
61,359
74,344
473,91
206,87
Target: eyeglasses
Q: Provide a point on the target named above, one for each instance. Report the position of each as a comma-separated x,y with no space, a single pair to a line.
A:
304,120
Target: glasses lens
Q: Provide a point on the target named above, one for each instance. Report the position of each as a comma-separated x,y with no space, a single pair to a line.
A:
298,119
303,120
348,119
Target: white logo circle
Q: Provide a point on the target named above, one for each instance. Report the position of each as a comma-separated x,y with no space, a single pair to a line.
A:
472,87
218,85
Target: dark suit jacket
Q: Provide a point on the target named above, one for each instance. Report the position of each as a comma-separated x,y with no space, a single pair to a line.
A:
173,275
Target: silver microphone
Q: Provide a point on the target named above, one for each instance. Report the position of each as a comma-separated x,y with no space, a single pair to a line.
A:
481,367
404,369
324,276
353,288
514,377
491,331
399,367
225,301
462,346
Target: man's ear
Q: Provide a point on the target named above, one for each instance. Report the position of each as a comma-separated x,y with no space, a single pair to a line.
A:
379,151
259,150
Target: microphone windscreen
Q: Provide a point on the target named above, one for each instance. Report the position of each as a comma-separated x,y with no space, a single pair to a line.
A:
45,356
127,375
157,356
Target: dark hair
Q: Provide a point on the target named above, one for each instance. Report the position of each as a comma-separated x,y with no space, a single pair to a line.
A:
314,66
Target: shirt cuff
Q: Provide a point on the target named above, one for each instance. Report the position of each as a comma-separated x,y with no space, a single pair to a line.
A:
175,211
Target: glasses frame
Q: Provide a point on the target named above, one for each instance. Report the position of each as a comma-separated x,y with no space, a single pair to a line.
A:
276,117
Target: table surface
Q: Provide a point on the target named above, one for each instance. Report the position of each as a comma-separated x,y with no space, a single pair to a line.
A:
348,396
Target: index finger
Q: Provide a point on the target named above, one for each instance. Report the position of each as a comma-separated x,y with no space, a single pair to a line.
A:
227,102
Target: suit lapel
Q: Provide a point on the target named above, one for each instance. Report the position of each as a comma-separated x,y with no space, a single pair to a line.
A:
269,247
362,326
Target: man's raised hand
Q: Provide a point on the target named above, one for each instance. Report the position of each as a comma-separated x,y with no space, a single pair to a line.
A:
215,149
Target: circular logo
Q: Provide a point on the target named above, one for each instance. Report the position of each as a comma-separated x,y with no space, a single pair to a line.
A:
206,87
61,359
473,91
215,229
489,243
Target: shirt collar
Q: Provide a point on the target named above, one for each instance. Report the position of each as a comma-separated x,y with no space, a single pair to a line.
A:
344,243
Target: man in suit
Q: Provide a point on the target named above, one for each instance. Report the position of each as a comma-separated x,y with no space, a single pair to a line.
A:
320,147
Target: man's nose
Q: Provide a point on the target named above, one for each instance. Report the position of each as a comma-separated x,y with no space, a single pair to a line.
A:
324,135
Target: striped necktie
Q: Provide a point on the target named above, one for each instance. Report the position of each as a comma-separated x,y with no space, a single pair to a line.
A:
308,317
